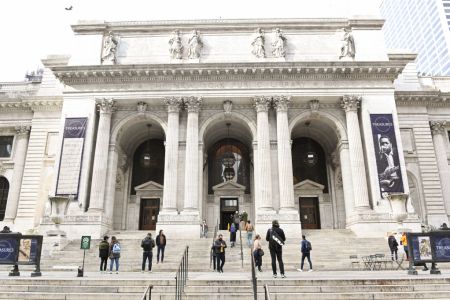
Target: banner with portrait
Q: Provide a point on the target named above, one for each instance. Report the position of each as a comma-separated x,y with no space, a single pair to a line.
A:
386,153
71,157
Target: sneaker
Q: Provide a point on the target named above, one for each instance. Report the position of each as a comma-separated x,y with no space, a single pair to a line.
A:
110,272
150,271
117,272
310,270
274,275
300,270
283,276
425,269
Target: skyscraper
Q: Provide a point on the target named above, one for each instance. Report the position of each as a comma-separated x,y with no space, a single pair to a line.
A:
421,26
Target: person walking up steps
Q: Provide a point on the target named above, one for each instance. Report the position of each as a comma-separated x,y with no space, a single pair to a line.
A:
103,253
306,253
114,254
258,252
147,245
249,227
276,238
393,246
161,244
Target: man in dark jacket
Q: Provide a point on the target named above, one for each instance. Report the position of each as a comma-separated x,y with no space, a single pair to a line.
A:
275,237
306,253
393,246
103,253
161,245
219,248
147,245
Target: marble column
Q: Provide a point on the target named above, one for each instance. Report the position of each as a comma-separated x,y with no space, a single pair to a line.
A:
361,196
192,156
264,173
20,153
171,157
106,108
346,174
439,135
285,177
113,158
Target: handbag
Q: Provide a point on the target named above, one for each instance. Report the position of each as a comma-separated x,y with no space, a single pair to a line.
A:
261,252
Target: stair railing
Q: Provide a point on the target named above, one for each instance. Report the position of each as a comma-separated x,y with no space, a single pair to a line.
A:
182,274
266,292
242,252
254,279
211,256
148,292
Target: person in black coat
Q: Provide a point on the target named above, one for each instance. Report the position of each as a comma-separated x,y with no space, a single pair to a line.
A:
161,242
393,246
276,238
219,248
103,253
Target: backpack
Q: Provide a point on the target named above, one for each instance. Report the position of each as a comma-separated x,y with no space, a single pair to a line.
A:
116,248
308,246
148,244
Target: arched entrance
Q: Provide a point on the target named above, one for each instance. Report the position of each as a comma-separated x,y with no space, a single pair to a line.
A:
4,190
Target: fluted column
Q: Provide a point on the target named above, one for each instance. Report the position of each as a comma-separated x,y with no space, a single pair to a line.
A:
20,153
439,134
285,176
171,156
192,158
113,158
346,173
264,173
361,196
106,108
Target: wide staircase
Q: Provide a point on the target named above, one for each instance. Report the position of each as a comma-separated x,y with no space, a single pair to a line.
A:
331,279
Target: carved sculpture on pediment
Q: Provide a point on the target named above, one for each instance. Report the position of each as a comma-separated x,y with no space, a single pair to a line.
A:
109,50
279,45
348,44
141,107
227,107
175,45
258,49
195,45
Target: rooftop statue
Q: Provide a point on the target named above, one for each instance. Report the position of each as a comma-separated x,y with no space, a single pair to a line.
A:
175,46
258,44
109,49
279,45
348,44
195,45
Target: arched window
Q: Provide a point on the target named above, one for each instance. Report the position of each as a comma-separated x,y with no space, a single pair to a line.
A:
4,189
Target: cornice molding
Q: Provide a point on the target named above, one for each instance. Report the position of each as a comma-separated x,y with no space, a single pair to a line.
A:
331,70
427,98
208,25
33,104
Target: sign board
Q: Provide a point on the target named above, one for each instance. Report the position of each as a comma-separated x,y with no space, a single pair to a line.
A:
429,247
30,248
85,242
9,249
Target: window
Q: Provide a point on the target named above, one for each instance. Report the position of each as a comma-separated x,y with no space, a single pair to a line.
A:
6,143
4,189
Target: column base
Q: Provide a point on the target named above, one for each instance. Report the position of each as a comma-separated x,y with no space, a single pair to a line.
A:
185,225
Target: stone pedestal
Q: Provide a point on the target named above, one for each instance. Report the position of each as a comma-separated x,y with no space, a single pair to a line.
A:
182,226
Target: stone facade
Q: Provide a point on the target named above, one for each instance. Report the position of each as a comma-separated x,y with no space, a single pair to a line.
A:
148,90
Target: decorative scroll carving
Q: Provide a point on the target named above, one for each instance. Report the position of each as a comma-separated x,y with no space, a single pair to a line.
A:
22,130
106,106
279,46
141,107
193,104
258,49
438,127
314,105
350,103
227,107
281,103
109,50
195,45
173,104
175,46
262,103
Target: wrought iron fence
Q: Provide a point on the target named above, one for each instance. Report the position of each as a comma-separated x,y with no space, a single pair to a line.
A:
182,275
148,293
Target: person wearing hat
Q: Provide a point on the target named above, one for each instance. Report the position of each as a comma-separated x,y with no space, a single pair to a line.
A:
147,245
103,253
276,238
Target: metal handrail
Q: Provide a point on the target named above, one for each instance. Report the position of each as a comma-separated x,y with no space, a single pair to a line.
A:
266,292
148,291
211,256
182,274
254,282
242,252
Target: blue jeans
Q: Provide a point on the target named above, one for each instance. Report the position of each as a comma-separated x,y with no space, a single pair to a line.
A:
250,238
114,259
147,255
160,251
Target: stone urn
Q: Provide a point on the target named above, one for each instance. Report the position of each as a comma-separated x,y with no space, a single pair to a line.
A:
398,206
59,206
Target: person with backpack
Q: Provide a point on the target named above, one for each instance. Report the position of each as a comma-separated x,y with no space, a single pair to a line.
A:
114,254
306,253
103,253
147,245
233,229
276,238
249,227
393,246
161,244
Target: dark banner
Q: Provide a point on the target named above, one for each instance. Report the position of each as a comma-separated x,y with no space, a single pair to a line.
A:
429,247
8,249
71,157
442,245
388,163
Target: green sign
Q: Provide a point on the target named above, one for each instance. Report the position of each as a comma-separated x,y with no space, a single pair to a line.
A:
85,242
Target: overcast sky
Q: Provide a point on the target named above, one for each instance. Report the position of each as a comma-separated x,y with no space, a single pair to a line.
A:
32,29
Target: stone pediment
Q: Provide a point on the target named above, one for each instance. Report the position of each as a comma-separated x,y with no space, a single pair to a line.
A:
228,185
149,186
309,185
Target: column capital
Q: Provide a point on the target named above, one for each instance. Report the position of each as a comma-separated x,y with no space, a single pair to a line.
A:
262,103
281,103
193,103
106,105
350,103
22,130
438,127
173,103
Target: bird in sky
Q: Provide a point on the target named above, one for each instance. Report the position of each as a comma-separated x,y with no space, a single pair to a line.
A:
68,8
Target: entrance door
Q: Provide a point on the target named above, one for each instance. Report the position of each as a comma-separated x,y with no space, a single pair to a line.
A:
309,212
148,214
228,206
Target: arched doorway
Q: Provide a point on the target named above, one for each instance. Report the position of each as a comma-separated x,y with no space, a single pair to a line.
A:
4,190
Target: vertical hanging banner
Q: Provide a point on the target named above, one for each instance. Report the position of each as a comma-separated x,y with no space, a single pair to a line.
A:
388,163
71,157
